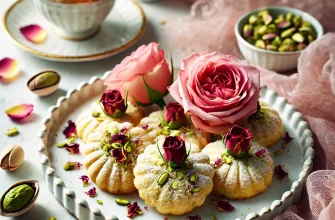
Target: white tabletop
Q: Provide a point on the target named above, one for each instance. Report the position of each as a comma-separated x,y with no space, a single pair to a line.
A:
72,74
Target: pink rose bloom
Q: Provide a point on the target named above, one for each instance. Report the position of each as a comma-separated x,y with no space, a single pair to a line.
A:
217,90
146,63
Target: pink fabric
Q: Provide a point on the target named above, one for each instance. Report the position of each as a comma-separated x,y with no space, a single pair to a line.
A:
311,90
211,23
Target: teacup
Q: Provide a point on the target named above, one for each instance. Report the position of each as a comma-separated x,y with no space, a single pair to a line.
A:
75,19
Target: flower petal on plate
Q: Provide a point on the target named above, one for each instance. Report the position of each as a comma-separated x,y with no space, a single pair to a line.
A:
19,112
34,33
9,69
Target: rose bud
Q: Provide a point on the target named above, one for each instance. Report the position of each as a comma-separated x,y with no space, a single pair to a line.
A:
174,150
113,104
237,141
174,116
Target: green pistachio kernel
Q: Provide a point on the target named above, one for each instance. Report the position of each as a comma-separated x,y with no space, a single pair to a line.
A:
165,132
271,29
122,201
180,175
271,47
174,185
193,178
305,30
171,169
262,13
279,19
12,132
287,33
52,218
71,140
276,42
96,114
289,16
297,37
286,48
161,162
288,41
17,198
99,202
195,190
297,21
43,80
62,144
256,34
163,179
247,30
306,24
68,166
310,38
260,44
267,18
252,19
262,30
116,145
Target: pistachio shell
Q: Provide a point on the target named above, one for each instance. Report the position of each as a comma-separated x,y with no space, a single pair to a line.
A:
287,33
271,47
289,16
11,157
260,44
284,24
252,19
297,37
44,83
269,36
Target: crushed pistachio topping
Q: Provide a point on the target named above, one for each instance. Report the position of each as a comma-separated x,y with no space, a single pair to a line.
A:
12,132
72,165
227,158
118,144
99,202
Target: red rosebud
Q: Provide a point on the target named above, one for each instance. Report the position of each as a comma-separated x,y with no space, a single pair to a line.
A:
174,116
70,130
113,104
134,210
119,154
92,192
174,149
237,141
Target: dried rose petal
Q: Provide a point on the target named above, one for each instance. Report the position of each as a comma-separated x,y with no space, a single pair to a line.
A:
85,179
287,138
222,205
280,172
195,217
145,127
9,69
260,153
119,138
119,154
34,33
134,210
218,161
70,130
146,208
92,192
19,112
73,148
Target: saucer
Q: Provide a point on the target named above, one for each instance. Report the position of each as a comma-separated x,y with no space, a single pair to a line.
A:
124,25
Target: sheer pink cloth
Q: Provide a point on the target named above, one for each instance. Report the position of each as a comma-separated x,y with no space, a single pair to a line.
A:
311,90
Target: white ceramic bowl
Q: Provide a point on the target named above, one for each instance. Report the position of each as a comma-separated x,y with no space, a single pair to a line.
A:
75,21
273,60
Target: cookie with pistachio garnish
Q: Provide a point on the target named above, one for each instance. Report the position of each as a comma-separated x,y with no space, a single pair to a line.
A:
265,125
243,169
110,107
173,176
110,160
172,121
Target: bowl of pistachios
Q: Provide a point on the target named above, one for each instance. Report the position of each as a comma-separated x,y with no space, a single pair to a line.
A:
273,37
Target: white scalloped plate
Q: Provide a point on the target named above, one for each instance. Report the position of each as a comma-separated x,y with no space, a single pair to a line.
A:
68,189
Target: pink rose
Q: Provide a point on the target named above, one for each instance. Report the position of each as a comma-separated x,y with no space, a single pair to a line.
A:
217,90
146,64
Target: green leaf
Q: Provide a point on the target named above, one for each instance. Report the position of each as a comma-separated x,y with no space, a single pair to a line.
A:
161,153
172,68
153,95
163,122
126,99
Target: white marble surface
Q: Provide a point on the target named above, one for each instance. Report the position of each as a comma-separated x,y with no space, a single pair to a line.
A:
72,73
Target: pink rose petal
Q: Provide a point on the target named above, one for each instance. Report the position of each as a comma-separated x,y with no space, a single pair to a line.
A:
9,69
34,33
19,112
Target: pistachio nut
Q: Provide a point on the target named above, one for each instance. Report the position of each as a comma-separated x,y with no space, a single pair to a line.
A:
269,36
277,41
193,178
289,16
163,179
262,30
195,190
262,13
267,18
18,197
271,47
252,19
279,19
260,44
11,157
271,29
247,30
288,41
305,30
297,21
43,80
284,24
180,175
12,132
95,114
122,201
287,33
306,24
297,37
310,38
